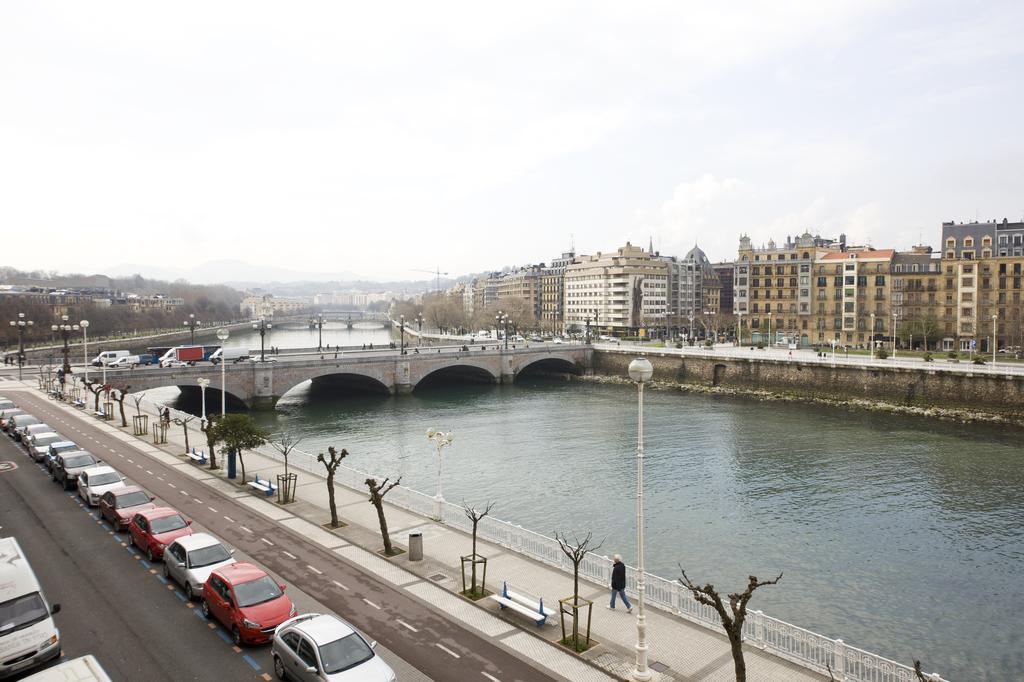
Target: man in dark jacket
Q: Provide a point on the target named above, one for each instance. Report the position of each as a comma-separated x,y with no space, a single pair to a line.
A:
619,583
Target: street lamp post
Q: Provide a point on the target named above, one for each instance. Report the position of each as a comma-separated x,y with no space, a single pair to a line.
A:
440,439
833,342
419,323
587,336
689,330
192,323
504,319
222,336
770,339
640,371
994,318
739,330
319,322
65,329
84,324
895,324
21,324
401,325
261,325
203,383
872,336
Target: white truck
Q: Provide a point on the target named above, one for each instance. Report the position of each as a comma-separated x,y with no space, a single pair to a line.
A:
229,355
28,635
81,669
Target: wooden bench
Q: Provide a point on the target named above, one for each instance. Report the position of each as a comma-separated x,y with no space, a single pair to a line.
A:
197,457
264,486
533,609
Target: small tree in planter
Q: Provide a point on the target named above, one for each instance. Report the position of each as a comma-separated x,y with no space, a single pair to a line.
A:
119,395
140,422
474,515
95,388
285,443
183,422
882,354
207,428
576,551
732,617
238,433
377,493
332,466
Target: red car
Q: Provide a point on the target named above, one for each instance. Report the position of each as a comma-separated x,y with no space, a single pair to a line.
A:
152,530
119,505
247,601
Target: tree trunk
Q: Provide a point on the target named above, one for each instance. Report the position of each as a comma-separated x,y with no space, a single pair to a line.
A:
383,527
213,458
740,666
184,427
330,499
120,405
241,461
472,580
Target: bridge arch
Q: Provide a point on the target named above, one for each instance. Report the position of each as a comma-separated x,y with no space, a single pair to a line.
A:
336,377
550,365
462,372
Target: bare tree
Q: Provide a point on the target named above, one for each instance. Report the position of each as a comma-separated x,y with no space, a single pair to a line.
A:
732,617
284,443
95,388
474,515
331,467
183,423
576,550
207,427
119,396
137,399
377,493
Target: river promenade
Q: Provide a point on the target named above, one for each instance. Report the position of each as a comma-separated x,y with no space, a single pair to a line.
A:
685,644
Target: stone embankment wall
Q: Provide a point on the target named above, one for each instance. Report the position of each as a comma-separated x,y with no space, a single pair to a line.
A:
919,390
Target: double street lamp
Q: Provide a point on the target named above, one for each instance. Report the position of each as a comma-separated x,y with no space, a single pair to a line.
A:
501,319
895,322
203,383
872,336
84,324
21,324
262,326
65,329
192,323
318,322
401,327
640,371
440,439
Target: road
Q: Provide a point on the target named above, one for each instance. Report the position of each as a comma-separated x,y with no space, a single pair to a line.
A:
440,648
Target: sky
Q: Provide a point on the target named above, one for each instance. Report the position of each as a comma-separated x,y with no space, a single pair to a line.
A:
384,139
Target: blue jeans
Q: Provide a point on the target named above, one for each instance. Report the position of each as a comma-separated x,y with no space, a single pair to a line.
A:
622,595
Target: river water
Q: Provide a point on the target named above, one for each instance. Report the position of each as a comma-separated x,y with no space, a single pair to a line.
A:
902,536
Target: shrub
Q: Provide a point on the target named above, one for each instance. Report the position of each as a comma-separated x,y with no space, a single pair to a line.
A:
679,344
928,357
979,361
882,354
760,346
952,355
709,343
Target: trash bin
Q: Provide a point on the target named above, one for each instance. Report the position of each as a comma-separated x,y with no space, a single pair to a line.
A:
416,546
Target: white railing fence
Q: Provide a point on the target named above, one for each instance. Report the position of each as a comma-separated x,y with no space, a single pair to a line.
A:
768,634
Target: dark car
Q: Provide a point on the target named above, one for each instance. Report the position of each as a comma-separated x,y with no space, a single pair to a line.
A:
68,465
19,423
6,416
54,450
118,506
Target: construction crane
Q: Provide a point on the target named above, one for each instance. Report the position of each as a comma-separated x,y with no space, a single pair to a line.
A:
437,273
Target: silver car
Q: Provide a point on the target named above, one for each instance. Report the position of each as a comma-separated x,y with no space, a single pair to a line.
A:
190,560
325,648
39,444
19,423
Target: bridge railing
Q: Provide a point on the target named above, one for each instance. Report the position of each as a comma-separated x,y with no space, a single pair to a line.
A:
772,635
777,637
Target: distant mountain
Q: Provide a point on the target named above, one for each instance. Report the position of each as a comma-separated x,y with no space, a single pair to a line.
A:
228,271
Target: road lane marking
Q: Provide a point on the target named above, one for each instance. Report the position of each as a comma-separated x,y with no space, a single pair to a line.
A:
229,519
314,569
245,529
289,554
149,472
267,541
172,485
490,677
445,649
406,625
131,461
372,604
183,493
212,509
220,633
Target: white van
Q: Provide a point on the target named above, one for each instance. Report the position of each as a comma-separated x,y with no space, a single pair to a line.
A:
124,361
229,355
108,356
82,669
28,636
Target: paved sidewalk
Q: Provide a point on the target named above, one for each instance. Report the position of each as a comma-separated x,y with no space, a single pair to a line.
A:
678,649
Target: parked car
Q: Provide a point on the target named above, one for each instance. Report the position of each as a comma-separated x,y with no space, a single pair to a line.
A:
6,404
97,480
317,646
20,421
190,560
557,339
153,529
56,449
32,430
173,363
39,444
247,601
6,416
119,505
68,465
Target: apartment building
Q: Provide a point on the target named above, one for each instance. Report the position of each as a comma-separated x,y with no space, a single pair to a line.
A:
773,287
619,292
726,273
852,297
918,298
552,292
524,284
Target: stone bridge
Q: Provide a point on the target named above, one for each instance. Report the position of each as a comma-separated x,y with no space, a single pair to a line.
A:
260,385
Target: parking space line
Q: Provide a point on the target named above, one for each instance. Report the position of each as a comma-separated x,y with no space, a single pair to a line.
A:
248,659
223,635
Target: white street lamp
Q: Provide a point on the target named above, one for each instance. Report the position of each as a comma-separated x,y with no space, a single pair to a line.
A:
833,342
895,323
203,383
440,439
640,371
771,342
84,324
994,318
872,336
222,336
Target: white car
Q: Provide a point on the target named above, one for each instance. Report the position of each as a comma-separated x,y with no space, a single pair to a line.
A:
557,339
324,648
95,481
173,363
189,560
38,445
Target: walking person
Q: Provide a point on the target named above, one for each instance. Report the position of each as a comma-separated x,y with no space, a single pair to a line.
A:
619,584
